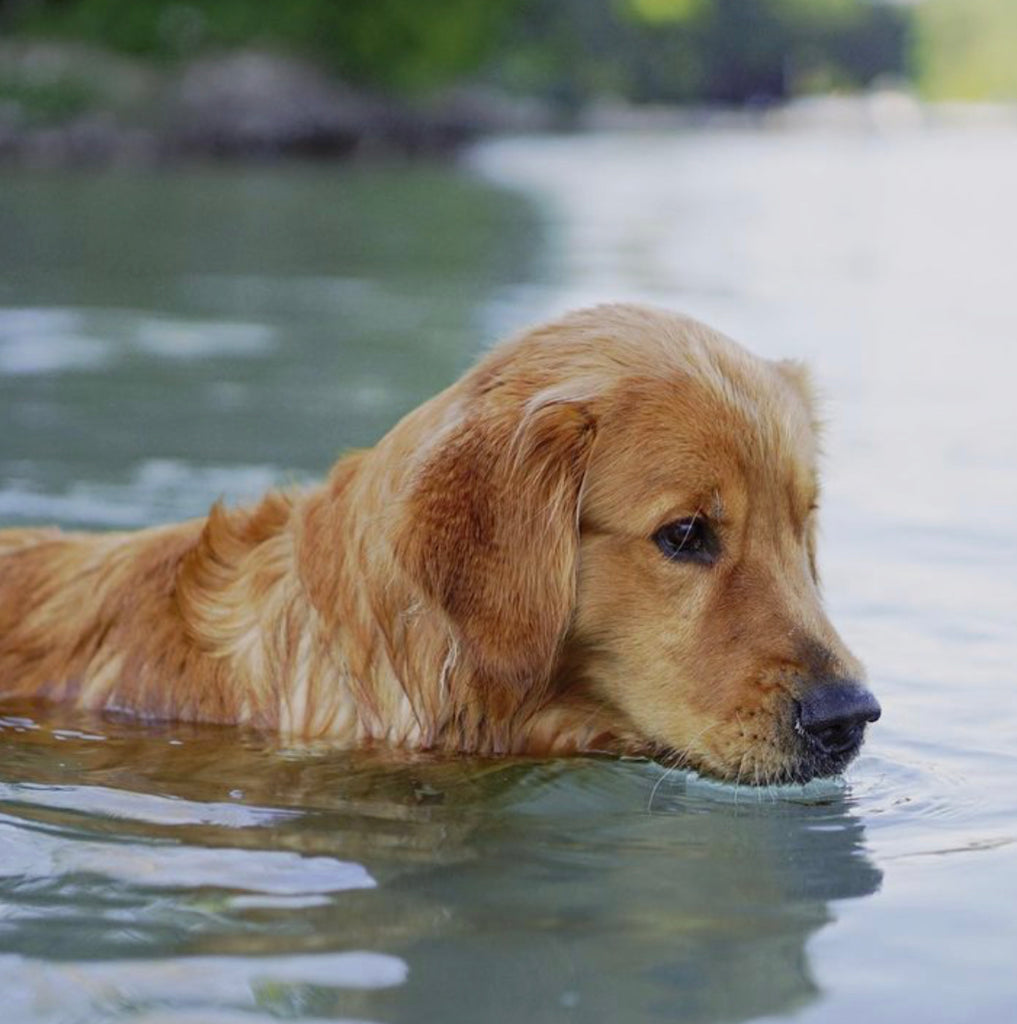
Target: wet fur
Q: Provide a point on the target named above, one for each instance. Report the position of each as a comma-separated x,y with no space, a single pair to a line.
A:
483,579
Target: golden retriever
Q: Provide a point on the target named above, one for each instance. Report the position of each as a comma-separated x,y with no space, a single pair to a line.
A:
601,538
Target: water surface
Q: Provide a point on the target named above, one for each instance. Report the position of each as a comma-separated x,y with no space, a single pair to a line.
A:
168,339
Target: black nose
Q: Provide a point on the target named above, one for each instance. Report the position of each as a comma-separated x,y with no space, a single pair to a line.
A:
833,714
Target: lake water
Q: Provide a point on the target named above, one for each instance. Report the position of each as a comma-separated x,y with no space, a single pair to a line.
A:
166,339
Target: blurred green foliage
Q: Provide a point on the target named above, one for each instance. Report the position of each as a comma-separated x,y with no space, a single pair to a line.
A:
642,50
44,103
726,51
397,44
967,49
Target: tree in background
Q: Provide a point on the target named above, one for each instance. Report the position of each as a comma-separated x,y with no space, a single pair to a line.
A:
722,51
396,45
967,49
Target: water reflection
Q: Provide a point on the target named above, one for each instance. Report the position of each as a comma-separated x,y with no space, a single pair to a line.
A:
510,890
602,912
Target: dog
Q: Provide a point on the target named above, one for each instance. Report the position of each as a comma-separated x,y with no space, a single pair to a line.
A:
602,538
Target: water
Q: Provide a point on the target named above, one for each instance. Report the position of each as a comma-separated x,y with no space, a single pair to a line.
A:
167,339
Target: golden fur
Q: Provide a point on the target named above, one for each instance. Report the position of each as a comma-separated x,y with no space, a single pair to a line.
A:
484,578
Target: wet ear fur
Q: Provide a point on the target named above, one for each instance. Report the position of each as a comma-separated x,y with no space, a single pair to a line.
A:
799,377
490,531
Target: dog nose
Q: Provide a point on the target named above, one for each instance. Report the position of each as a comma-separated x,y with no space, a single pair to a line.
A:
833,714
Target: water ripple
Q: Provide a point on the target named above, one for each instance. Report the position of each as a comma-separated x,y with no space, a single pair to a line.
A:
32,854
144,807
166,990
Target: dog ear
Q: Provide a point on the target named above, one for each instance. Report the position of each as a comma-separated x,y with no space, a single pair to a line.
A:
489,530
799,377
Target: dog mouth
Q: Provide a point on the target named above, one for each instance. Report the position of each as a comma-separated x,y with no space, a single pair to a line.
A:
818,764
816,760
797,758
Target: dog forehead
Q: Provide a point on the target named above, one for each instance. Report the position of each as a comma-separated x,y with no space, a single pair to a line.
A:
683,439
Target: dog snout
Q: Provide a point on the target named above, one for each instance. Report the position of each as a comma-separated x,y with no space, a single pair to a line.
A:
833,715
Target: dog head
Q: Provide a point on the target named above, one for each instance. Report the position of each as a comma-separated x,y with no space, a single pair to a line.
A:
619,513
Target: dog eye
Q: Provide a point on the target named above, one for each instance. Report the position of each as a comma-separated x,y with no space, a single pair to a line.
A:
688,540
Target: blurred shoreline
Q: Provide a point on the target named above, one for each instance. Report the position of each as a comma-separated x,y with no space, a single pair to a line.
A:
65,105
68,104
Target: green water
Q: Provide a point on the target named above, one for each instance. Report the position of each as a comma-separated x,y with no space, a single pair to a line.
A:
167,339
259,322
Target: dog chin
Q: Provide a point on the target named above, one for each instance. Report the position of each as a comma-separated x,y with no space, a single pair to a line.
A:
803,765
816,765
